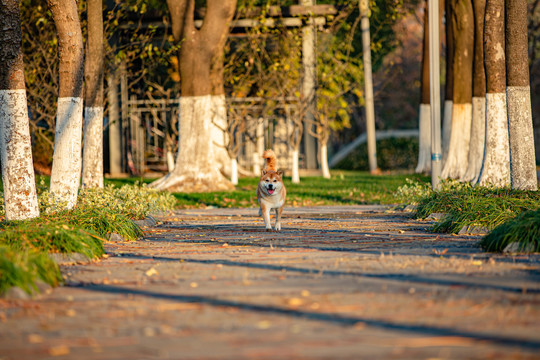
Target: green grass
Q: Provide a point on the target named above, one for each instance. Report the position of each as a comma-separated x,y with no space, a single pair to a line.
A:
344,188
465,205
47,235
523,230
23,268
25,245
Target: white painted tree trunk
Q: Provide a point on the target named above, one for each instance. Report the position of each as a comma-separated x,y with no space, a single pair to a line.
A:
478,137
256,164
460,136
257,157
115,129
170,161
66,168
20,198
295,178
447,129
92,166
324,161
234,171
196,169
496,166
522,157
219,134
424,143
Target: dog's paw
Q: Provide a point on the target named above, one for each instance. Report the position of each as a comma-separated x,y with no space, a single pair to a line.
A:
278,227
268,229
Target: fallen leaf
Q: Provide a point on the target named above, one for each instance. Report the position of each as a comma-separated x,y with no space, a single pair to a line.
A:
295,301
151,272
263,325
59,350
35,339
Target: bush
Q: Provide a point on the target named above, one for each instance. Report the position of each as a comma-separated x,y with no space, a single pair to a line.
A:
24,245
23,268
524,230
47,236
467,205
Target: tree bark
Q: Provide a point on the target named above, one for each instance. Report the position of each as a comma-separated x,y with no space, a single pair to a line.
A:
449,86
197,166
309,87
424,123
522,154
463,35
324,161
496,165
478,127
20,198
92,165
66,168
295,176
368,86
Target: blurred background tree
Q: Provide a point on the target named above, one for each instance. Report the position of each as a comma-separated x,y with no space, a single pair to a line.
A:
264,61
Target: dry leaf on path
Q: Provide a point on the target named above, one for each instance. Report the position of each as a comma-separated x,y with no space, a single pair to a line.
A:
151,272
59,350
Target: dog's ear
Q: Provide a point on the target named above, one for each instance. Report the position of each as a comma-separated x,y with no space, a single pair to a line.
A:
280,173
263,172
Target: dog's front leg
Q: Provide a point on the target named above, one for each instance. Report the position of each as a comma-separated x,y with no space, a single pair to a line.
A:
266,216
278,218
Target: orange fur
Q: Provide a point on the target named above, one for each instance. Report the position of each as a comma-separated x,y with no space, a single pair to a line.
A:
270,157
271,192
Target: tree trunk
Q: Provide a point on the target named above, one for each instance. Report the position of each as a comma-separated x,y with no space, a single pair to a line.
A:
219,119
219,133
66,168
324,161
478,128
20,198
309,87
424,123
234,171
92,165
424,151
496,165
463,31
197,166
257,155
115,128
449,86
522,155
295,176
368,85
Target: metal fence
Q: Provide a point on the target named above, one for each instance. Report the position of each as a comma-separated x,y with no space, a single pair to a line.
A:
150,131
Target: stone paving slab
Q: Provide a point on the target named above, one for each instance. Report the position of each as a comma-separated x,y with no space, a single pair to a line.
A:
351,282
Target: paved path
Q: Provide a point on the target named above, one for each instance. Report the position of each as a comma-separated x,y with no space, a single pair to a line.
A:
355,282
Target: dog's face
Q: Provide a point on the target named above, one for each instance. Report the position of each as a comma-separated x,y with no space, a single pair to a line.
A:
271,181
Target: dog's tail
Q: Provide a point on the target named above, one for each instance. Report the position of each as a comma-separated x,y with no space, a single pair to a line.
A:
270,157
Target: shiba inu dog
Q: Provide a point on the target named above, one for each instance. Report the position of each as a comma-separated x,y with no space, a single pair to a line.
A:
271,191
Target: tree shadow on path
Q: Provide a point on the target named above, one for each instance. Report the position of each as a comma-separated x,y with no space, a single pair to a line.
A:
412,278
529,345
